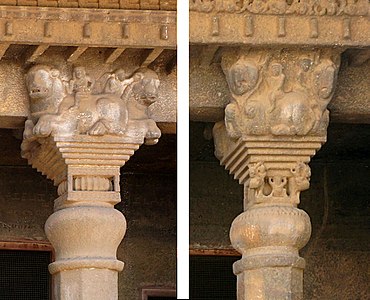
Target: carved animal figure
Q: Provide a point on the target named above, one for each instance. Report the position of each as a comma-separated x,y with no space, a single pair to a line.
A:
139,95
292,115
54,112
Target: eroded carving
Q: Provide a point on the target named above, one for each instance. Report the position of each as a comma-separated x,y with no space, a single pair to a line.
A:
271,186
116,104
279,92
283,7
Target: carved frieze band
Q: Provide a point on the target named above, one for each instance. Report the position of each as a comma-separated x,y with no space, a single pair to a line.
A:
280,22
86,27
282,7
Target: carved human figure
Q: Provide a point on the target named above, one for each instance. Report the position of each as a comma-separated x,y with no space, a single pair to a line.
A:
117,83
80,82
231,119
278,185
304,74
301,174
276,83
80,85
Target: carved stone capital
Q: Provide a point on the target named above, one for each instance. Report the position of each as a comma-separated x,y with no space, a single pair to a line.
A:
279,92
275,122
80,131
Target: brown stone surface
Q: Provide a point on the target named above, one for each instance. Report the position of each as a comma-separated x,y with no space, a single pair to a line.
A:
279,23
14,95
88,27
209,92
122,4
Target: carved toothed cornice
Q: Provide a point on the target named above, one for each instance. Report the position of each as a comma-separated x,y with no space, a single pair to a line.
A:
263,22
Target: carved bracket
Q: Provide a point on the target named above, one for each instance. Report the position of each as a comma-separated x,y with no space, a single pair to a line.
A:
114,104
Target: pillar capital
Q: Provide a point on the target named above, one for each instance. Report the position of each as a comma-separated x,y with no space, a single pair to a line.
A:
79,133
275,122
279,92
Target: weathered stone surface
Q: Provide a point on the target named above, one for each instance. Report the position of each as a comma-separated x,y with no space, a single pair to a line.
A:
14,93
275,122
209,93
150,241
114,4
279,23
79,132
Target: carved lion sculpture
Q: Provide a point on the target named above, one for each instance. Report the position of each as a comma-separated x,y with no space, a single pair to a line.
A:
53,112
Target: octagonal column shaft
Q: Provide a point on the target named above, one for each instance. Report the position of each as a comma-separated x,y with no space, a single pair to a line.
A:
275,122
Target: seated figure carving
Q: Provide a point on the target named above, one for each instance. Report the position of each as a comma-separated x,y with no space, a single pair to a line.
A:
70,108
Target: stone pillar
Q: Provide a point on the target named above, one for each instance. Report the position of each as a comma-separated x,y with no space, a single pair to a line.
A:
275,122
80,139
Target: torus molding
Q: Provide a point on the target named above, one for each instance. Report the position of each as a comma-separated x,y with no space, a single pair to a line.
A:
220,22
86,27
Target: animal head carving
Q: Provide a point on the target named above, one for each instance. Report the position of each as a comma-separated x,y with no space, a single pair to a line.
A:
145,86
40,80
45,89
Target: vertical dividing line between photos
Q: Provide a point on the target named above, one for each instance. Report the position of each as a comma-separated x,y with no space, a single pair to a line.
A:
182,149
